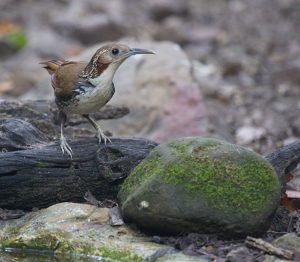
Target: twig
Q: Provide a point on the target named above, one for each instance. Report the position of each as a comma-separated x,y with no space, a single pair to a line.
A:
269,248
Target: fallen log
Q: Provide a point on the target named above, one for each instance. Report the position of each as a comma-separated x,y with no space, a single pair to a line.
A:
35,173
285,159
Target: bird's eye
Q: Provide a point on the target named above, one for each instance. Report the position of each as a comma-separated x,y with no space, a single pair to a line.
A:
115,51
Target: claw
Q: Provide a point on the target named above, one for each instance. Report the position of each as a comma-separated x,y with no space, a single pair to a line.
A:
100,136
65,147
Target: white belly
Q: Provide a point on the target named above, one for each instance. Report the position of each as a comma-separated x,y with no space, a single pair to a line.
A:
95,98
91,101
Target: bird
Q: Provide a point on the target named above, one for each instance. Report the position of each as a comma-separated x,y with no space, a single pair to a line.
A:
85,87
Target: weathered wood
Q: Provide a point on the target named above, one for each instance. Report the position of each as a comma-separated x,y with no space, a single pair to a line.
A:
35,173
285,159
39,175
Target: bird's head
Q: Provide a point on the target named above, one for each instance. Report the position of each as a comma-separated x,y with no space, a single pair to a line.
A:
108,58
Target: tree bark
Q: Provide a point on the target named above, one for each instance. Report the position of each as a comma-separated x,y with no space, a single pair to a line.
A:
35,173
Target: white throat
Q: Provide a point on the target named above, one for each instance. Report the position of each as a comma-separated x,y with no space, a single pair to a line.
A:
106,78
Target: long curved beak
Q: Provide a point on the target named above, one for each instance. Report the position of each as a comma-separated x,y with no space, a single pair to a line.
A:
140,51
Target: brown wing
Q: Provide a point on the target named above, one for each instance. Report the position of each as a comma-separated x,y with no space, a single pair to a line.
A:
64,75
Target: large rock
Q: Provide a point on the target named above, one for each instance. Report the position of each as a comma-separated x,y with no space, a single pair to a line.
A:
72,231
201,185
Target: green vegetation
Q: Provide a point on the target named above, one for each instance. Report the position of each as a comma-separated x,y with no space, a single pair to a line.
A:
17,40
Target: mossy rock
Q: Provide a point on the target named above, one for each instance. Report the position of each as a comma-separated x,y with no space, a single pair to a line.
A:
72,232
201,185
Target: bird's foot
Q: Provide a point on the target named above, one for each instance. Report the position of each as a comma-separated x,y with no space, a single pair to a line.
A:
65,146
101,137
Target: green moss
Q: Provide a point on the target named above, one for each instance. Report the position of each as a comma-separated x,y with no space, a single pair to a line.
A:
217,181
147,168
44,241
181,146
227,176
18,39
119,255
58,244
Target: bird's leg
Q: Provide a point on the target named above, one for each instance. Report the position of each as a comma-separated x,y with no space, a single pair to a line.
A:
63,142
99,133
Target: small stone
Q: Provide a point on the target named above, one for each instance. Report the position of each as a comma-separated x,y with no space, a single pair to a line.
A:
160,9
171,29
247,134
231,68
90,22
291,242
239,254
179,257
289,140
93,29
269,258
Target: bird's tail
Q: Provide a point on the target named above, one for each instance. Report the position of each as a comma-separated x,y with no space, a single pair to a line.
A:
52,65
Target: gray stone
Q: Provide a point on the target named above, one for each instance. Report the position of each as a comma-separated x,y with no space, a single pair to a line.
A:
201,185
96,22
240,254
269,258
291,242
79,231
180,258
171,29
43,43
247,134
160,9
